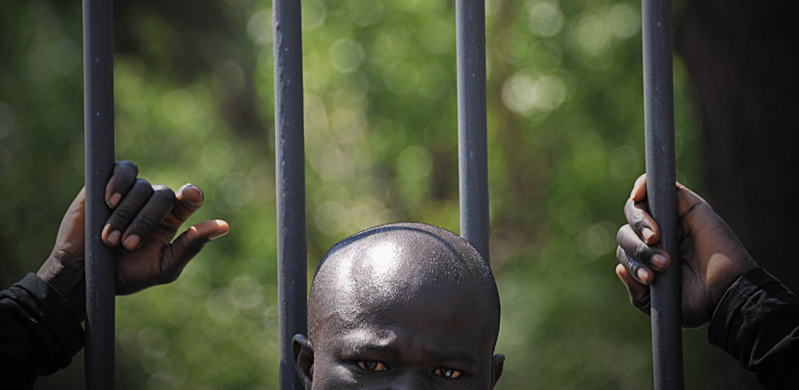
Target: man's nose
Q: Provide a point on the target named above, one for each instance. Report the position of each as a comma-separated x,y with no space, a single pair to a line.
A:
413,380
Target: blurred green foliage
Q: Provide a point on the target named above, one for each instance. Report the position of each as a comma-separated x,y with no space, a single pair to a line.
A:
194,96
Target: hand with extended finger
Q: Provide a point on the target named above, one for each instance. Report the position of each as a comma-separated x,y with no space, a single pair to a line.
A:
711,256
141,227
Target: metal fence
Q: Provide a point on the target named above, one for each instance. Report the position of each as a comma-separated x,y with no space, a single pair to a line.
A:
661,190
98,113
290,175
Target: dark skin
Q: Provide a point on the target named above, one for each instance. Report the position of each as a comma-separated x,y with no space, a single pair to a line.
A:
141,228
381,319
711,256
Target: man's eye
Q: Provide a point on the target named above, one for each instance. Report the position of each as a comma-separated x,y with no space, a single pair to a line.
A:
372,365
448,373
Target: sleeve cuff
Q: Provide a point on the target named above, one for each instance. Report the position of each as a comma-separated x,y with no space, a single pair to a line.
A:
55,309
744,302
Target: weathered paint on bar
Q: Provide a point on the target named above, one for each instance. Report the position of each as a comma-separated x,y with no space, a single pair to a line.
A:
290,185
661,190
98,91
472,124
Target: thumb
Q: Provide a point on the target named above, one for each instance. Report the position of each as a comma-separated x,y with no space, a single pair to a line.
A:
190,243
686,200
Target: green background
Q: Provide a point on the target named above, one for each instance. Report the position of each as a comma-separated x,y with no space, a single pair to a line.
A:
194,96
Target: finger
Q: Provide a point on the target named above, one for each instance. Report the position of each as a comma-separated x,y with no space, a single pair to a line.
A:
127,209
638,193
121,181
150,216
639,293
189,199
188,245
638,271
649,255
642,223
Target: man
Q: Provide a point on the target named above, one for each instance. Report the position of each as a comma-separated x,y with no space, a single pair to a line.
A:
752,316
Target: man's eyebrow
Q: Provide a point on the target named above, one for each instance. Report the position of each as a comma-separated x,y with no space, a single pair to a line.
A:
453,356
377,349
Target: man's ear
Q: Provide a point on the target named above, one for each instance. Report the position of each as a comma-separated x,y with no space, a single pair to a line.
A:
497,366
302,352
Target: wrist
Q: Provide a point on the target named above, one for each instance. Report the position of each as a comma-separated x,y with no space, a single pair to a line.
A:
66,274
742,265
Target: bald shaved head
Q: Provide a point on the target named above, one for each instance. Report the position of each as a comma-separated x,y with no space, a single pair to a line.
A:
401,306
387,266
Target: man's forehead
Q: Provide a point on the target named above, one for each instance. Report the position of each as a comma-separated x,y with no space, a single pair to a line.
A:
436,310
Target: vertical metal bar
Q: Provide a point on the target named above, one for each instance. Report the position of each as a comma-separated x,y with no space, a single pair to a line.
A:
472,123
98,106
290,177
662,196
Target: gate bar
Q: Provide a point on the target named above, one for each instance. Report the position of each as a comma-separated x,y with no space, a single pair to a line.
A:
292,254
98,116
662,194
472,124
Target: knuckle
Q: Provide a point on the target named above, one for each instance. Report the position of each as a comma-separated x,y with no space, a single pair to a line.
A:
642,252
128,166
145,221
138,195
622,256
121,216
637,222
621,234
164,194
632,265
141,183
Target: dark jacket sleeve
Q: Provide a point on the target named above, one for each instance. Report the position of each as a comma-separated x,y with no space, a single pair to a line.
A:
38,332
757,322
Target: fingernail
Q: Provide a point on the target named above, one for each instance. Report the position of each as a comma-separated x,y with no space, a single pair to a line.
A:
632,194
198,194
114,200
131,242
218,234
113,238
659,261
647,233
644,274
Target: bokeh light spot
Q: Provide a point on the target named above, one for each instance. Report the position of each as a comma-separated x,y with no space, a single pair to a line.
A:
314,13
366,12
228,78
596,240
525,94
179,106
546,19
415,162
346,55
259,27
624,20
220,305
593,35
